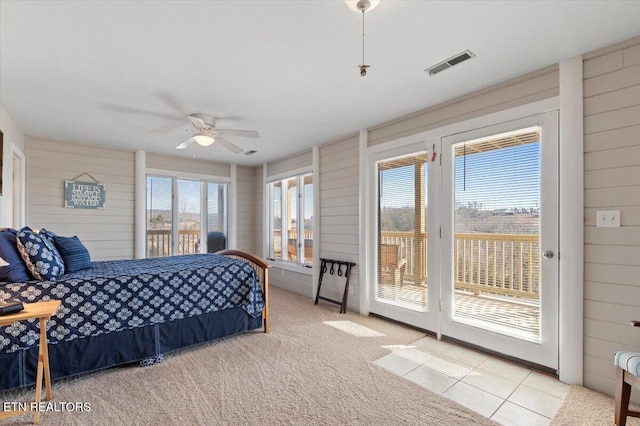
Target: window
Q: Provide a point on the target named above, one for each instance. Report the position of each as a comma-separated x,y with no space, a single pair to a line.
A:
182,213
291,219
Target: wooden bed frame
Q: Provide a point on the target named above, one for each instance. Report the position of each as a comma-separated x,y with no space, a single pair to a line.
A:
262,269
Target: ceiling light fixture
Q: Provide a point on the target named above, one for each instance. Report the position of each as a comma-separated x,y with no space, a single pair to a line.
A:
362,6
203,139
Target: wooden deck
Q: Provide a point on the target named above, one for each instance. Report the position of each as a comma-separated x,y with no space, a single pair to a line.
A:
521,316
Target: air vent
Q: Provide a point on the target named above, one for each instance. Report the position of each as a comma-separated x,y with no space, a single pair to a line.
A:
253,151
455,60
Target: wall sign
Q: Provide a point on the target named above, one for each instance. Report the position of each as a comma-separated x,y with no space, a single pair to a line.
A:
84,195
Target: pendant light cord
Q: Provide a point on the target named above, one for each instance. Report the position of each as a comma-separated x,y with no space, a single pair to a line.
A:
363,37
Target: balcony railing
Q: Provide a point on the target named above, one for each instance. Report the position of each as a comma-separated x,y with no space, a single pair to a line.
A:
506,264
502,264
159,242
291,244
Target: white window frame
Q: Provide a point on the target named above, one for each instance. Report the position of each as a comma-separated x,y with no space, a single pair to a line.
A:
204,204
282,261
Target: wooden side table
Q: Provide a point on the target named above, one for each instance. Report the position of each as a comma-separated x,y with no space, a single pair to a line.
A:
42,311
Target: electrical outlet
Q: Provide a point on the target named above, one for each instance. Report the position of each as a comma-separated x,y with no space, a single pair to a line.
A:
608,218
351,290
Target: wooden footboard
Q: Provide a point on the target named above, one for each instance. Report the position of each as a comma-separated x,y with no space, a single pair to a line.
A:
262,269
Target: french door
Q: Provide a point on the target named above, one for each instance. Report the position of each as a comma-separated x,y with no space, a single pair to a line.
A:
406,254
500,238
467,244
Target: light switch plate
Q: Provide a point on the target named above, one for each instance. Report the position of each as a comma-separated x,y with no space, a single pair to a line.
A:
608,218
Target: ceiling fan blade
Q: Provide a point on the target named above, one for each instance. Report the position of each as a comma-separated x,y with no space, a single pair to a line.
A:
197,121
167,129
130,110
233,132
230,146
186,143
171,101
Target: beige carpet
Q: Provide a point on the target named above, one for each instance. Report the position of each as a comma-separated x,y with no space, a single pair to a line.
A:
303,372
585,407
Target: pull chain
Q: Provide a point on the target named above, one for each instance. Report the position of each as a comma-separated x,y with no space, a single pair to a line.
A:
363,67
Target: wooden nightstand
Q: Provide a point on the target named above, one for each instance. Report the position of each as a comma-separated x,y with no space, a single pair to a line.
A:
42,311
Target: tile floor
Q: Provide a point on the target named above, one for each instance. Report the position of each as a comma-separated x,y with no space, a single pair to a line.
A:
497,389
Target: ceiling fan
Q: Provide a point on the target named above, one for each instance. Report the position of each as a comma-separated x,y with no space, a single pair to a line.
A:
207,133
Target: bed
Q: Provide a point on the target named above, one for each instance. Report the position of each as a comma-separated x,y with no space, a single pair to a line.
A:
119,312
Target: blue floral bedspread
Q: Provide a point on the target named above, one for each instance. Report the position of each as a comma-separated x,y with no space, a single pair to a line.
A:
125,294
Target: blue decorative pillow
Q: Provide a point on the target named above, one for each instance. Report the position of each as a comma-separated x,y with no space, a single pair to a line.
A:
42,259
47,235
16,271
74,254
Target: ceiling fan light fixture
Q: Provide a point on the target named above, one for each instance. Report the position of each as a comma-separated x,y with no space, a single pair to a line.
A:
203,139
362,5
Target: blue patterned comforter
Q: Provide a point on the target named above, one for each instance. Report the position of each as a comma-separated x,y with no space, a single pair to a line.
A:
125,294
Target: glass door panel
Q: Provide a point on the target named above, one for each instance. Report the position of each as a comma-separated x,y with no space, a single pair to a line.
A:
216,217
402,231
292,213
499,214
159,216
189,204
308,219
497,233
276,220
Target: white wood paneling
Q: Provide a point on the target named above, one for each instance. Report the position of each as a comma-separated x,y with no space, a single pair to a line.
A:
615,138
297,161
612,181
535,86
246,205
290,280
187,165
339,214
107,234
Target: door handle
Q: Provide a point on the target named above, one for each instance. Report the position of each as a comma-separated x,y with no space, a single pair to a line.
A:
547,254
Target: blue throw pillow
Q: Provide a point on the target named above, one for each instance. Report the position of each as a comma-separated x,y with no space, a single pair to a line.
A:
42,259
74,254
47,235
16,271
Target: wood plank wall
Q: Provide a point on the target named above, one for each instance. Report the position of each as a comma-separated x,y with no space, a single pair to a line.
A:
339,213
107,234
189,165
612,182
531,87
296,161
246,208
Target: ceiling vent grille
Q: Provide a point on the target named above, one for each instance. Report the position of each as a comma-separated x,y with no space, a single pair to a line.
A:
448,63
253,151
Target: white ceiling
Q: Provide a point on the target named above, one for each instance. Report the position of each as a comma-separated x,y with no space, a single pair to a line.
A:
101,72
